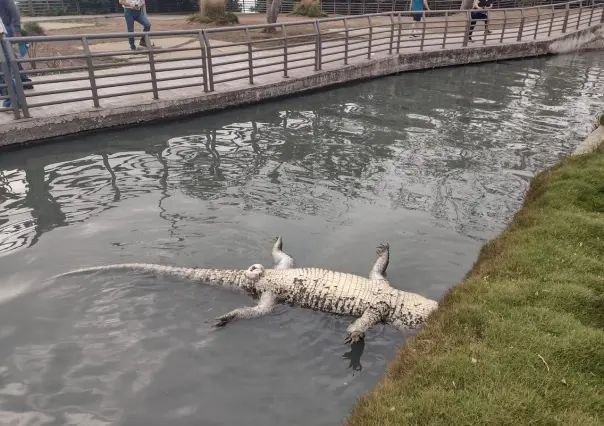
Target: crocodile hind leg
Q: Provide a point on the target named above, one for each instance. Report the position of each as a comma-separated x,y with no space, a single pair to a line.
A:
378,272
264,307
282,260
356,331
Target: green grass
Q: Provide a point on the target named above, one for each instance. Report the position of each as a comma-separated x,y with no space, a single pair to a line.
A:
521,339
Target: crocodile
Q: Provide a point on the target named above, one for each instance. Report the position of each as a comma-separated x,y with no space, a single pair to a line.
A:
370,300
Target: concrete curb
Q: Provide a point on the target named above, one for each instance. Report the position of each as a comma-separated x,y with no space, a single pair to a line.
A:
35,130
591,142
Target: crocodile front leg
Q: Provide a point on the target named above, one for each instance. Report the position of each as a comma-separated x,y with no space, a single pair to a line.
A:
356,331
378,271
264,307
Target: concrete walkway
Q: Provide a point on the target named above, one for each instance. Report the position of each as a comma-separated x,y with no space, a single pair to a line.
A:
56,119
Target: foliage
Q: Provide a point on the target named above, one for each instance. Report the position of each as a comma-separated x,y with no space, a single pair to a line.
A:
31,29
521,339
310,8
215,14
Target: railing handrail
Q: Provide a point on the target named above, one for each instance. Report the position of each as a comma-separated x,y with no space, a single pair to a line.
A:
97,36
247,58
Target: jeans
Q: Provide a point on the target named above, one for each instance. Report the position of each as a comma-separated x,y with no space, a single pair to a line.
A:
4,90
134,15
24,77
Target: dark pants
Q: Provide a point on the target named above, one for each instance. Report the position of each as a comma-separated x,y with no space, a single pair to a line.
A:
132,16
477,16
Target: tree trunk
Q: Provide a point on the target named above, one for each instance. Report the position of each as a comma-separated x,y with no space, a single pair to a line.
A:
466,4
203,10
272,12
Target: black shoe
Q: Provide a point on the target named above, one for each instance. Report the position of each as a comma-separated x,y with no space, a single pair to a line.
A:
27,85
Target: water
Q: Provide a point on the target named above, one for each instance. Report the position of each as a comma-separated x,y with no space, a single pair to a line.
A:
433,166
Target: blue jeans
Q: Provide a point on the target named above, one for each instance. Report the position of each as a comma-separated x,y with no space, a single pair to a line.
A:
24,77
4,90
132,16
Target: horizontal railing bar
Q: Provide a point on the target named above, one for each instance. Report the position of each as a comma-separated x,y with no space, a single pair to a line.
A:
133,92
181,86
180,77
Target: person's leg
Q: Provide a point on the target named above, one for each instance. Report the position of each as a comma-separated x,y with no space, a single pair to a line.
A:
142,19
130,26
416,18
27,84
4,91
472,25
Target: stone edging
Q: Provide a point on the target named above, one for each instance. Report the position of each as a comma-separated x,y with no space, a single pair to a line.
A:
594,140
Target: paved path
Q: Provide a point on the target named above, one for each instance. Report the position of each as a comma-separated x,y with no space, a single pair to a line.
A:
231,74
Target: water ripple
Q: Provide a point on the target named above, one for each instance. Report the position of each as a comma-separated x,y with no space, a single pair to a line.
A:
433,162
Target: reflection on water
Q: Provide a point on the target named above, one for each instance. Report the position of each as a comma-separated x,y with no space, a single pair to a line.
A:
434,162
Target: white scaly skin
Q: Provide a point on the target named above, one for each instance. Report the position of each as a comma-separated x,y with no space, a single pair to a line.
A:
371,300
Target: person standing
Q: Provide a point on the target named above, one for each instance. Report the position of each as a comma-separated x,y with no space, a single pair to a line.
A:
9,14
134,11
417,6
482,6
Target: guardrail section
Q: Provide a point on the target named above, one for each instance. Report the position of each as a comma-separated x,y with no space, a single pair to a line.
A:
102,71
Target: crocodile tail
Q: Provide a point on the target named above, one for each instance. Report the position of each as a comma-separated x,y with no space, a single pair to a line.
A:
141,267
220,277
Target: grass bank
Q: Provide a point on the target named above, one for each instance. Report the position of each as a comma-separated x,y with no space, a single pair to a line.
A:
521,339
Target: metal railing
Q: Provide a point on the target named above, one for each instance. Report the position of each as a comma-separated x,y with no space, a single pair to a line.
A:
99,74
336,7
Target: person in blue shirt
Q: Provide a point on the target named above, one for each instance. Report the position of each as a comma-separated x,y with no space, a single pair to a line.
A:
9,14
417,6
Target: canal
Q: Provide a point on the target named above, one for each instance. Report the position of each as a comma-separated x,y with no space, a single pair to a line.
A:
435,163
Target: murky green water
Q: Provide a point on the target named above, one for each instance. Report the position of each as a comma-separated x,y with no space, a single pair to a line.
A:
433,162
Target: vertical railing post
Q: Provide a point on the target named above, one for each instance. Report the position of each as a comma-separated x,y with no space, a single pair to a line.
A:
551,21
284,32
318,46
346,41
250,55
18,85
602,15
91,77
400,29
422,41
521,26
370,37
591,13
8,82
505,23
467,33
206,41
580,13
204,63
152,66
446,29
391,45
565,23
537,24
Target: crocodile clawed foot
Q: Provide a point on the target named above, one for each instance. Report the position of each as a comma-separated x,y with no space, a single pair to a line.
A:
354,336
382,248
277,240
223,320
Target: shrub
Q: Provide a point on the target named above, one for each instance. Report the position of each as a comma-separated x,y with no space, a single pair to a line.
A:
310,8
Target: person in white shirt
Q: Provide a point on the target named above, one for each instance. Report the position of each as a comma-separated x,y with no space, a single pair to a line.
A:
134,12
